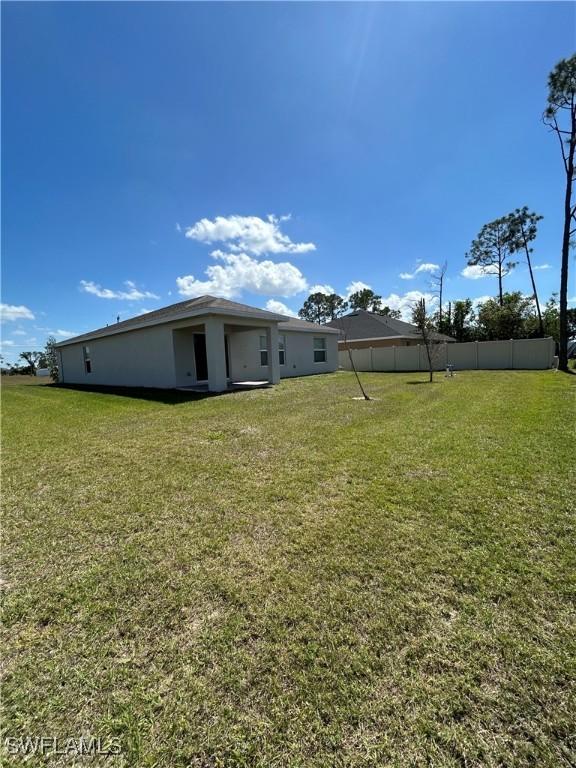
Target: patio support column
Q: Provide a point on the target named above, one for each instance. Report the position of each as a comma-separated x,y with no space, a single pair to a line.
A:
273,355
215,354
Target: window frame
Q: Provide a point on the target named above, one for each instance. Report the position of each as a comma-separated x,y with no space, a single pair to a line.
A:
87,359
263,351
320,350
282,348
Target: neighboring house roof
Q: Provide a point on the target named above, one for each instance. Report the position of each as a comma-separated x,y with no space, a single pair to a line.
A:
203,305
368,325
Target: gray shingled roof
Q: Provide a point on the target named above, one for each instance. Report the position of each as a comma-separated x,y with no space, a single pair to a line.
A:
368,325
191,307
194,308
295,324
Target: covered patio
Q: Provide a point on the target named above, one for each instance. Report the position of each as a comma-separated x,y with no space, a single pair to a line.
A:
207,354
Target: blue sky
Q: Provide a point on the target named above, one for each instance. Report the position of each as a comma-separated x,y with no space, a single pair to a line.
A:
279,146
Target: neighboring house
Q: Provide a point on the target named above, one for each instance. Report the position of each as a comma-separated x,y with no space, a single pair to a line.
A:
361,329
206,342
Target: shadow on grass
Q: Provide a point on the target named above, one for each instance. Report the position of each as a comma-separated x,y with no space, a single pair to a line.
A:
423,382
165,396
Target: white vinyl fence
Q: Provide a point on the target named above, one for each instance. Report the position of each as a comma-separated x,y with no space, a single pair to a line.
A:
535,354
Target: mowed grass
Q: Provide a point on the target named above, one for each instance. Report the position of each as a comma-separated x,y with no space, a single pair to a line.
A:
291,577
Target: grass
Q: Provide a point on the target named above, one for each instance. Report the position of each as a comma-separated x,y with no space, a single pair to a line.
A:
290,577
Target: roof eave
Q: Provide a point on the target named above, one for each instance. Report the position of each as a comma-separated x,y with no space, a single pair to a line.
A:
313,329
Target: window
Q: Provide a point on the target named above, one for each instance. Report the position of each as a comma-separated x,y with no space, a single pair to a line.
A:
263,351
87,360
282,349
319,350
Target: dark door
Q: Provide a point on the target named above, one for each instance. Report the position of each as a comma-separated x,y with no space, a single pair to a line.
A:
200,357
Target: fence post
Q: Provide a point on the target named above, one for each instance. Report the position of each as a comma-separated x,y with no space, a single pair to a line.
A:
511,353
477,342
372,359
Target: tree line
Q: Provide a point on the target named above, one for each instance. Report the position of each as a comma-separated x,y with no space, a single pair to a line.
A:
505,316
35,359
322,308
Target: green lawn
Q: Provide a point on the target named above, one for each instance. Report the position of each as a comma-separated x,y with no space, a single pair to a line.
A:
291,577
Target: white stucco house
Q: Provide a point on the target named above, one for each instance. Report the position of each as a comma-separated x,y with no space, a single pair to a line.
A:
205,342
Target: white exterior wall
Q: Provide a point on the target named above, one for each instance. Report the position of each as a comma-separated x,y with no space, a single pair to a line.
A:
143,358
300,353
244,351
244,356
184,361
163,356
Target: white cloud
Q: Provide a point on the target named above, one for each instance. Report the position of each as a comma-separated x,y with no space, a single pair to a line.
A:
406,302
476,271
178,227
239,272
426,267
326,289
277,306
7,343
13,312
354,287
247,234
480,300
65,334
19,332
131,294
542,266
